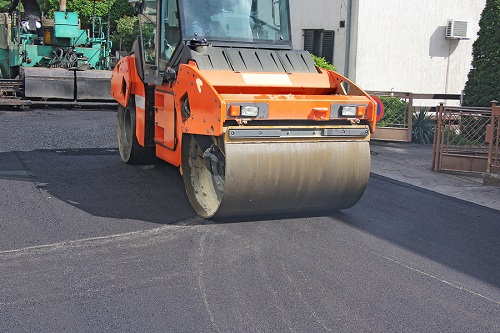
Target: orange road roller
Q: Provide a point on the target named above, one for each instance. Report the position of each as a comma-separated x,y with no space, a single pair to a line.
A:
215,88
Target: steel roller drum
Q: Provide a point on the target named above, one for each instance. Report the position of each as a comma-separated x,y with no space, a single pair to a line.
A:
261,177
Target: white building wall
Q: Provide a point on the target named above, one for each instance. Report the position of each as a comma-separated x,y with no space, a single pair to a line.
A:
320,14
395,44
401,45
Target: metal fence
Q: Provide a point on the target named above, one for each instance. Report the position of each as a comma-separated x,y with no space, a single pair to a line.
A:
461,142
398,112
397,123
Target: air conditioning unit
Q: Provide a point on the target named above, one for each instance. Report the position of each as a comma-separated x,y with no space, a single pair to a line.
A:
457,29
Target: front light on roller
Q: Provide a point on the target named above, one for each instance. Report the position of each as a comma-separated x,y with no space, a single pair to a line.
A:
234,110
348,111
249,111
361,111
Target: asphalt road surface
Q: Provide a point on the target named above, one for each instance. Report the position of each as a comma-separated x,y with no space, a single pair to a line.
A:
89,244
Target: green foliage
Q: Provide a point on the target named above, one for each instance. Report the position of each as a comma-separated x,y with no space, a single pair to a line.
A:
127,29
484,78
4,6
322,63
395,110
422,127
86,10
119,9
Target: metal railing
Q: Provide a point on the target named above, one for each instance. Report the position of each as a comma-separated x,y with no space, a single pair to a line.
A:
460,141
401,118
397,123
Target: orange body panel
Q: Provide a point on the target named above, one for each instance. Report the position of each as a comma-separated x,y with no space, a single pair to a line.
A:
296,96
271,83
167,135
120,81
293,107
126,82
204,101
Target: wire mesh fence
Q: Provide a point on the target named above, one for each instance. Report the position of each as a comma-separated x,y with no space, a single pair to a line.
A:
461,142
398,108
465,129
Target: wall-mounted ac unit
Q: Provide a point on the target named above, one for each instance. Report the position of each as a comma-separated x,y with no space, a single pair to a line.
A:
457,29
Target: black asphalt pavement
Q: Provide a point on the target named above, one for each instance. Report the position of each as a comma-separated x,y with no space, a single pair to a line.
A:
89,244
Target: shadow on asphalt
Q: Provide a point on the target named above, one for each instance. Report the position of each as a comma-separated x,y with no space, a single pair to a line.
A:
452,232
99,183
96,181
459,234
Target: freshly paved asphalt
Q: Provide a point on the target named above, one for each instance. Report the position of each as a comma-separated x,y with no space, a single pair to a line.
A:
89,244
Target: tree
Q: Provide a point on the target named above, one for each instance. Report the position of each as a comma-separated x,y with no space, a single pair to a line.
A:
127,29
4,6
86,9
119,9
483,84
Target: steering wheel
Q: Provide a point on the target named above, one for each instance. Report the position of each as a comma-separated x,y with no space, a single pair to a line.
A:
169,49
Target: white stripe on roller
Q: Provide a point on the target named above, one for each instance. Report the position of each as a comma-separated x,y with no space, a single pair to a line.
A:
140,101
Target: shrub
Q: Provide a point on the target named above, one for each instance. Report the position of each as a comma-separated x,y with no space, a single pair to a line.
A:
322,63
423,127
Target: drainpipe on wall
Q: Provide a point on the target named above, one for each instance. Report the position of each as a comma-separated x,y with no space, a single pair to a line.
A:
348,38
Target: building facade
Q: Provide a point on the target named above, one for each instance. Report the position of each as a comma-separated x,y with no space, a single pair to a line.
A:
391,44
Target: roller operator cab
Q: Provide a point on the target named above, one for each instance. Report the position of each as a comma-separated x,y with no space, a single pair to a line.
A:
215,88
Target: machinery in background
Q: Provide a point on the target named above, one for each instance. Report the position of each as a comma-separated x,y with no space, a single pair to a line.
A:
215,88
69,65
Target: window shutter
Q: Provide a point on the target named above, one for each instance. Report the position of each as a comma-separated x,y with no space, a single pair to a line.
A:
327,47
309,40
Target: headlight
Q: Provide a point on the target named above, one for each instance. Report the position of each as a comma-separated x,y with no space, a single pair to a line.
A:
347,111
249,111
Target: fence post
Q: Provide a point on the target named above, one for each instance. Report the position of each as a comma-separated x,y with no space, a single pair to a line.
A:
410,117
434,143
437,138
491,139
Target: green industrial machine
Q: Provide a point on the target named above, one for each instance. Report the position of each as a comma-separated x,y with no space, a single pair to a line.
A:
68,64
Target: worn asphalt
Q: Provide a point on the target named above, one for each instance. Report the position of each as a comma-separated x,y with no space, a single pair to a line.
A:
89,244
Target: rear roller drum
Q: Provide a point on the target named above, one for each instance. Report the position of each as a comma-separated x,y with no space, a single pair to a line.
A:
131,151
